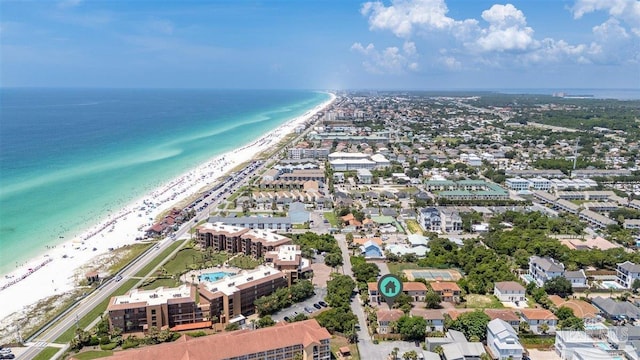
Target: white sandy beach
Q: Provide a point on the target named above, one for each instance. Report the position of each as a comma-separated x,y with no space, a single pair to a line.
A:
61,267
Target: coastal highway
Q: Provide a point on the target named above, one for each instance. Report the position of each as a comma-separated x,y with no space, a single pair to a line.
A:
38,342
70,319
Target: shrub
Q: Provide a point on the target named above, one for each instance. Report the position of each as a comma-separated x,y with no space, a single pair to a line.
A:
109,346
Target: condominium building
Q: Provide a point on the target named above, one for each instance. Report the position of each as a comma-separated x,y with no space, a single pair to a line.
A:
234,239
305,340
234,296
626,273
289,260
138,310
304,153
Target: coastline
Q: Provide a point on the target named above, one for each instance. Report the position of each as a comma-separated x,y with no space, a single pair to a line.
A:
58,268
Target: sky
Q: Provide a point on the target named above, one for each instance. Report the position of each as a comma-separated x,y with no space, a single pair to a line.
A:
324,44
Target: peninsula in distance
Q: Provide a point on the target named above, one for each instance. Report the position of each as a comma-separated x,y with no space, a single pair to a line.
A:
239,180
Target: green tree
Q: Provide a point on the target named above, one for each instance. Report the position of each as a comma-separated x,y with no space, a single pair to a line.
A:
635,285
472,323
339,289
232,327
543,328
524,327
432,300
265,321
564,313
411,327
410,355
558,286
333,260
571,323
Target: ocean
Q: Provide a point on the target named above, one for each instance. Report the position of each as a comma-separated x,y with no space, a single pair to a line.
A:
69,157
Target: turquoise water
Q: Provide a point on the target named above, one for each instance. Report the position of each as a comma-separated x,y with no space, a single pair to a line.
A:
214,276
70,157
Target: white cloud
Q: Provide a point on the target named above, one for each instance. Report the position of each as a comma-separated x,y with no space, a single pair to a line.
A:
507,30
504,39
388,61
626,10
403,17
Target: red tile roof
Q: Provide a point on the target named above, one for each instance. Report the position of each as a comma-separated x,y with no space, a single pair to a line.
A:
227,345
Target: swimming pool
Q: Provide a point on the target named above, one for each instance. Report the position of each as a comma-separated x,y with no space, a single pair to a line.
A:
611,285
527,278
214,276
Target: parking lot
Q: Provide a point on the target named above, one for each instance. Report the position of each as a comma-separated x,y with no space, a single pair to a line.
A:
298,308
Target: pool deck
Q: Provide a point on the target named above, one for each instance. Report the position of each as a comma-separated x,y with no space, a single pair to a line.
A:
193,276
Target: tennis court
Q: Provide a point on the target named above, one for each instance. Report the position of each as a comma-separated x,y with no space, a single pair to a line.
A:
433,274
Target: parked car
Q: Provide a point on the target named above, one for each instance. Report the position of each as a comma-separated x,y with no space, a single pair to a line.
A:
322,303
308,309
287,319
8,356
5,351
317,306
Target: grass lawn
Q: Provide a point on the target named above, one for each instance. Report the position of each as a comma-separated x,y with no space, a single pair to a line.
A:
475,301
414,227
132,252
396,268
156,283
88,355
183,261
95,313
147,269
300,226
193,229
331,217
46,353
244,262
190,258
337,342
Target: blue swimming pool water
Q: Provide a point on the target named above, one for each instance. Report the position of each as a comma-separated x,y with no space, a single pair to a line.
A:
214,276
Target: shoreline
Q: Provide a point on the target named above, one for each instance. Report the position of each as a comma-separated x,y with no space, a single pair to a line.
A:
57,269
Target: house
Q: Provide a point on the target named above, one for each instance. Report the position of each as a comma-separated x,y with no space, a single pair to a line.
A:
448,291
509,291
626,273
462,351
581,309
416,290
507,315
371,250
577,278
567,342
536,317
365,176
450,220
434,318
544,268
502,341
385,318
616,310
429,219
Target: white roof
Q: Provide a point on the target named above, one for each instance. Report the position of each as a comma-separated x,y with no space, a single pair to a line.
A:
153,297
229,285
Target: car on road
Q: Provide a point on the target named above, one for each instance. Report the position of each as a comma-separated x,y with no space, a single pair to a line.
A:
119,277
322,303
317,306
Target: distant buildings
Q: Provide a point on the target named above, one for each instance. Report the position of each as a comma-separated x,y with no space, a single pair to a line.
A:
466,190
305,153
537,317
343,161
440,219
543,269
305,340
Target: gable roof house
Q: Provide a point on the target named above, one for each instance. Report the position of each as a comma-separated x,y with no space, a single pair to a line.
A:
502,341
